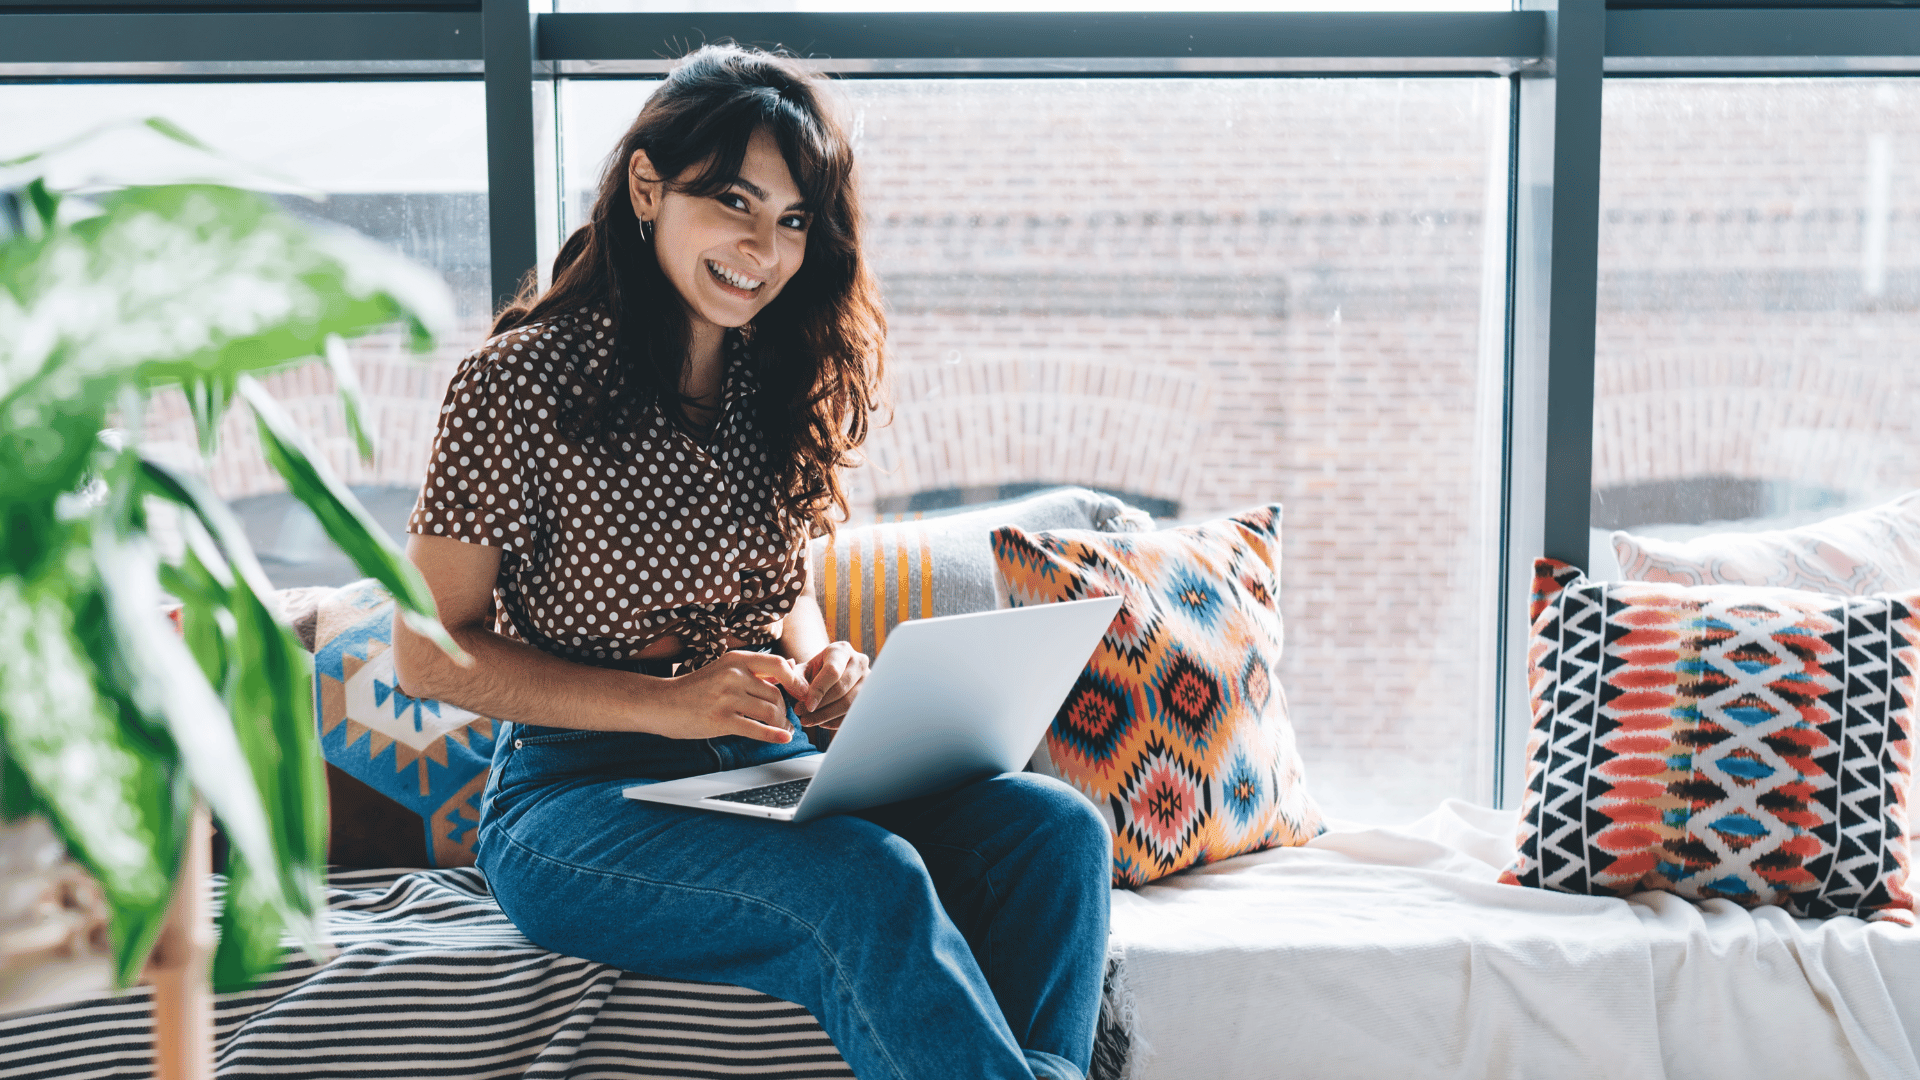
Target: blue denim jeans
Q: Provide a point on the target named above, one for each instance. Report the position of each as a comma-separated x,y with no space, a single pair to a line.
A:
956,935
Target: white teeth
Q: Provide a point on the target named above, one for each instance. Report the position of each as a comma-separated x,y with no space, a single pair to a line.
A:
733,278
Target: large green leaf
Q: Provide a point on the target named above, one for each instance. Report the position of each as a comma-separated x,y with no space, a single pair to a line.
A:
234,556
31,532
109,793
346,382
166,682
270,690
184,282
45,452
17,798
194,284
267,681
250,924
346,522
206,624
207,401
266,678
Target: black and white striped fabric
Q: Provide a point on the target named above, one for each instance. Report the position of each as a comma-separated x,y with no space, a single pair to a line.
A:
430,980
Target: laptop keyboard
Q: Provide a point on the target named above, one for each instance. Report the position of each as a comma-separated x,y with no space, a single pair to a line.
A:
779,796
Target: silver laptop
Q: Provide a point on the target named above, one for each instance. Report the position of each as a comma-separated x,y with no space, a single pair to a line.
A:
949,700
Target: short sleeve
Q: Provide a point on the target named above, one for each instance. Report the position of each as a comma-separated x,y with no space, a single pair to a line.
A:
476,489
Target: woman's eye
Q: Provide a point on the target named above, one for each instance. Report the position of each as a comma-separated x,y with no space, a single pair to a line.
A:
794,221
737,202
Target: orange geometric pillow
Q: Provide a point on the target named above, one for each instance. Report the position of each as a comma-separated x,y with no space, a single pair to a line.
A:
1177,729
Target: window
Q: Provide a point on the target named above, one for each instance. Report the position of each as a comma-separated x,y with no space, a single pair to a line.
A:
1204,295
1758,359
403,162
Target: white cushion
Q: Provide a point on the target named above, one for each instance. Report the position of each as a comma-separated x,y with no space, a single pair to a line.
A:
1394,953
1857,554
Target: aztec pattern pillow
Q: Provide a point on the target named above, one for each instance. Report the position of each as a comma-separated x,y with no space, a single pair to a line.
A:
426,756
1720,741
1177,729
871,579
1858,554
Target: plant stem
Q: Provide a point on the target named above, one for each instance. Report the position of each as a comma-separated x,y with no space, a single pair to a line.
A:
180,966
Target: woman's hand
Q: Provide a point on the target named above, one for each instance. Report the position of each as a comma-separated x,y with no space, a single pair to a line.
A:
833,681
738,694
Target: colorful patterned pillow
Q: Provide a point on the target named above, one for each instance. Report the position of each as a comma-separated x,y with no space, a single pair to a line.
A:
1857,554
1720,741
1177,729
871,579
427,758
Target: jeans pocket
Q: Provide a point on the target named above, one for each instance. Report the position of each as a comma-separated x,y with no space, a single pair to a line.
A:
543,736
555,753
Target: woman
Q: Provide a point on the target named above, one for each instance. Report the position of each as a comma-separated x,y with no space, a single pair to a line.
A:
614,526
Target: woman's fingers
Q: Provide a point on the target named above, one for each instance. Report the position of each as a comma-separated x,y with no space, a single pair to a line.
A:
828,715
826,692
833,672
753,729
752,708
836,675
768,668
753,699
739,694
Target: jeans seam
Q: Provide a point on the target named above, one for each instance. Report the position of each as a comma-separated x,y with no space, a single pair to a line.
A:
993,897
562,737
839,975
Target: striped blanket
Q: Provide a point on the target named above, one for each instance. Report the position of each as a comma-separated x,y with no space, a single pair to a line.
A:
431,980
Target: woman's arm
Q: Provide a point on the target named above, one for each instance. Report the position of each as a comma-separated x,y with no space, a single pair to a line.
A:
833,669
510,680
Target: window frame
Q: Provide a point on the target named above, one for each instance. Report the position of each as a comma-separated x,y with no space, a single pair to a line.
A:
1557,53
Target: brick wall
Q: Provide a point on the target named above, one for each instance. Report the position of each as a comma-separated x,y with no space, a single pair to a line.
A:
1743,332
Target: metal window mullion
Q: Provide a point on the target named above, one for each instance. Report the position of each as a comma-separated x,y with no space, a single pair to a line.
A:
1681,41
1548,473
1044,37
1578,55
512,207
241,37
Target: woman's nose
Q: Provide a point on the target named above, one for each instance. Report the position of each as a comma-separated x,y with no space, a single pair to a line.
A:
760,244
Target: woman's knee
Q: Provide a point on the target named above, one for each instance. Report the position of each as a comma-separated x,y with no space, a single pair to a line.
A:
1068,819
886,867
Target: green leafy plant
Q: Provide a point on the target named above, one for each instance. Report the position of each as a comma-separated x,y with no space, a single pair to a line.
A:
112,722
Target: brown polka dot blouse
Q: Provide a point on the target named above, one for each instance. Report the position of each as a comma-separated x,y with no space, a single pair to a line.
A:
609,544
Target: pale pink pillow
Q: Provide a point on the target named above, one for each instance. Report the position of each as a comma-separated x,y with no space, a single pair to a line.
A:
1857,554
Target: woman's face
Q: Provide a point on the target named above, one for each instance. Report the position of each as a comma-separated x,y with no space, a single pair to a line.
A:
729,254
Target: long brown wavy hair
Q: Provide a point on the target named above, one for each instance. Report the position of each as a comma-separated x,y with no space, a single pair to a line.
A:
817,346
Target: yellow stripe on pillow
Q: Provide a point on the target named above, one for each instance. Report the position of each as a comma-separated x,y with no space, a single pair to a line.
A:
829,592
872,578
926,578
905,562
852,630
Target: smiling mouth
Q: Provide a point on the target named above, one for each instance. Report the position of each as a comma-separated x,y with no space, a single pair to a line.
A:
733,279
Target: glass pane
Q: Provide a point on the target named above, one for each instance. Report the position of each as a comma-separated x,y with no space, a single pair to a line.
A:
1203,295
403,162
1759,332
